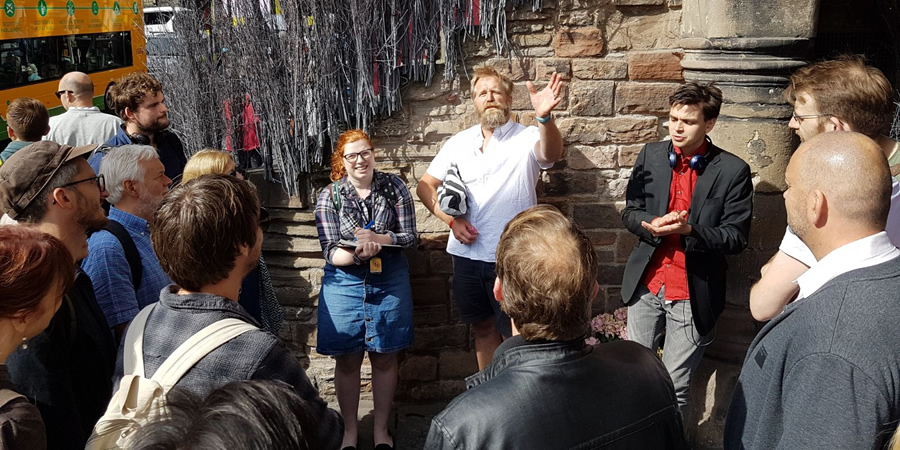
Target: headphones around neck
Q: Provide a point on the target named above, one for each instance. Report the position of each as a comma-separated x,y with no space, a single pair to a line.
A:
139,139
698,162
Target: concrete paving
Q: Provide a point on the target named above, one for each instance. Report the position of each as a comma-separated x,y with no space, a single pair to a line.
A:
409,423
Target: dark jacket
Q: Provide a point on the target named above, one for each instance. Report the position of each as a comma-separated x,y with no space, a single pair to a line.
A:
254,355
824,373
168,147
721,209
21,426
559,395
67,370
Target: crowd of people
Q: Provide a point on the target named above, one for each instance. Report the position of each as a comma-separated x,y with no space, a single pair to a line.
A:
138,311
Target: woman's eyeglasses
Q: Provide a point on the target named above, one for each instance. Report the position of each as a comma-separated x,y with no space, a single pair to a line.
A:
365,155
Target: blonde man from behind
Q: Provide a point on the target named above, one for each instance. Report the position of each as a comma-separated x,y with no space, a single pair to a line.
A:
547,388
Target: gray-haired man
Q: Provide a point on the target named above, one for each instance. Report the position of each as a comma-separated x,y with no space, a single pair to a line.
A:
121,262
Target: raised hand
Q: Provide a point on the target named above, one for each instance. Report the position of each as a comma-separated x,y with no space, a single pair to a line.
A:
547,99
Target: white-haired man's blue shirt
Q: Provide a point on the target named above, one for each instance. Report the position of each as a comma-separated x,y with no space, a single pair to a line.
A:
109,270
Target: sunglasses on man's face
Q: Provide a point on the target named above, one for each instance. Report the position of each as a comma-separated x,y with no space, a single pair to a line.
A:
60,93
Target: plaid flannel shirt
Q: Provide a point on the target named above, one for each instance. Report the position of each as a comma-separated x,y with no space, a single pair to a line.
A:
397,221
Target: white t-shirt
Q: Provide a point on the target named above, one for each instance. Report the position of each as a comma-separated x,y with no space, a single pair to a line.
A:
792,246
83,126
499,181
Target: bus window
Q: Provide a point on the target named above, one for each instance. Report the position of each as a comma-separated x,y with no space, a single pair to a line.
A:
33,60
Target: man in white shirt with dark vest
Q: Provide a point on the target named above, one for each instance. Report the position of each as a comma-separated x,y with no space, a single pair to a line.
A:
82,123
499,161
824,372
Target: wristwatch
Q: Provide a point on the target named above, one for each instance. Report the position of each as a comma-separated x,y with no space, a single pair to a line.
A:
357,260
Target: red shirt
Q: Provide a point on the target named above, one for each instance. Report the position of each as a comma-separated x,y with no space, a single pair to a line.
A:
667,266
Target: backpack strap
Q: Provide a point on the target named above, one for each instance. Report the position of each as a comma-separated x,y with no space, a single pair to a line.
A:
336,195
196,348
8,395
133,354
131,251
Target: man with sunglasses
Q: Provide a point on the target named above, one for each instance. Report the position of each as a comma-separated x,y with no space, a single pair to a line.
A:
67,369
121,262
26,122
840,95
82,123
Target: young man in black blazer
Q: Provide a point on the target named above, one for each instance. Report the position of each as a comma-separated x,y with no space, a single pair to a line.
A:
689,203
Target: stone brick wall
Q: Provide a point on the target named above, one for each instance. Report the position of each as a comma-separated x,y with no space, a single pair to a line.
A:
620,61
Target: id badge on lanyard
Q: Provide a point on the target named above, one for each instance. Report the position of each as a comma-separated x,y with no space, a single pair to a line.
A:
375,265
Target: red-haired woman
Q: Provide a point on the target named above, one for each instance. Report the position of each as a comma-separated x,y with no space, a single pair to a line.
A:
35,270
366,301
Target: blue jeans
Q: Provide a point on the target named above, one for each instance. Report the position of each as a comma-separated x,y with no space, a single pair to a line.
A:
649,316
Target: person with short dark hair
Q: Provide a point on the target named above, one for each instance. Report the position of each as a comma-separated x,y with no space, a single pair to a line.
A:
546,388
824,372
257,293
35,271
260,414
67,369
689,203
839,95
82,123
27,120
138,100
208,235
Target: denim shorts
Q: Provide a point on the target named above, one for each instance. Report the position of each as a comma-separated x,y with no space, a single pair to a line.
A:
361,311
473,292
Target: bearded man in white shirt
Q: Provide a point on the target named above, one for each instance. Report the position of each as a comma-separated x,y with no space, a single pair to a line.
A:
499,161
824,371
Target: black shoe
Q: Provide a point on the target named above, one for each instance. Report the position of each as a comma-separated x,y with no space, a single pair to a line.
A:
349,447
383,447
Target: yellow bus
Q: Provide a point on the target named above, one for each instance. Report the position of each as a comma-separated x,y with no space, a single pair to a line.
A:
42,40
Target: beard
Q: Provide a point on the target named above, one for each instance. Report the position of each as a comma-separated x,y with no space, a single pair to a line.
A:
494,118
154,127
148,203
89,216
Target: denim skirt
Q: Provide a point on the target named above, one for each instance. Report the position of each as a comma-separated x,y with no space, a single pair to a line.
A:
360,310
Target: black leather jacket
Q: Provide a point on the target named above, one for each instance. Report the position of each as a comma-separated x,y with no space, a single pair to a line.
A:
560,395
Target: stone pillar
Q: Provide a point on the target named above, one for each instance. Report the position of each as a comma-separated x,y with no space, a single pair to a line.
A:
748,49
